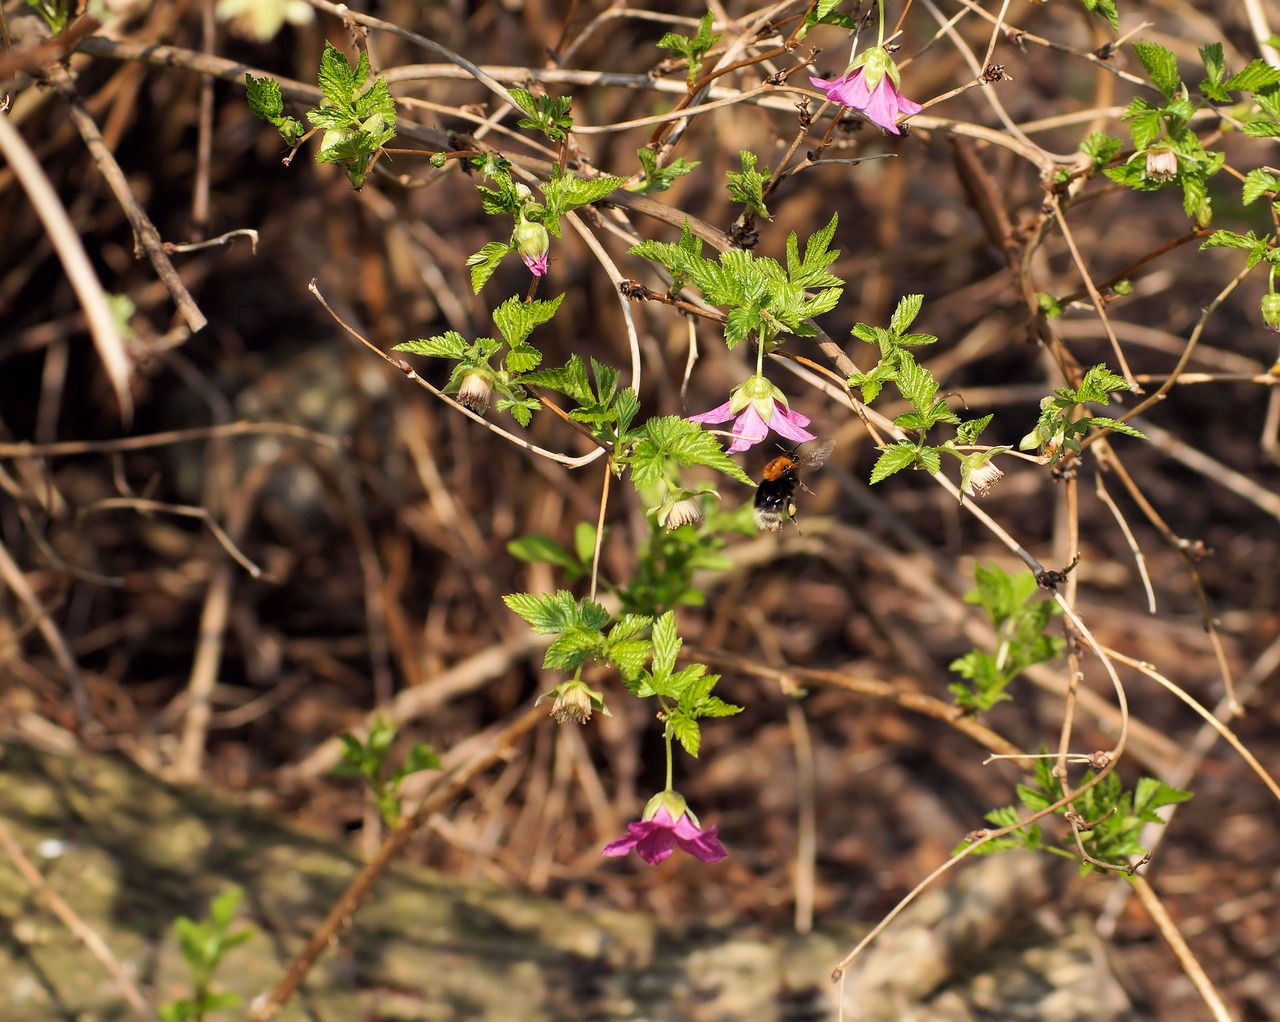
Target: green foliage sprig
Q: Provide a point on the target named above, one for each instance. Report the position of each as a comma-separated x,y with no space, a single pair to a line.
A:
203,946
1020,623
357,121
692,48
368,761
1109,818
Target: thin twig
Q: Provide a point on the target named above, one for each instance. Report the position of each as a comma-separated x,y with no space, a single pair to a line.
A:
72,921
268,1007
66,242
145,234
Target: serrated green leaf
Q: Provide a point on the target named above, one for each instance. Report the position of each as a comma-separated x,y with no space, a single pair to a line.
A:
336,78
686,732
1101,148
1257,74
1258,183
263,96
571,648
916,383
546,614
1262,128
1116,426
666,644
1161,65
570,379
1098,384
905,313
893,459
485,262
516,318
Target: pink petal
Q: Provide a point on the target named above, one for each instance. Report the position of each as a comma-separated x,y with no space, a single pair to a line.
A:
749,430
882,107
706,846
851,90
718,414
656,846
791,424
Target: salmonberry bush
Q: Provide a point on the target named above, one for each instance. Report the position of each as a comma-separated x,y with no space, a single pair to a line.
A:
703,411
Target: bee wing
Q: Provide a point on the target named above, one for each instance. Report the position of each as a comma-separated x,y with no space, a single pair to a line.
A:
816,455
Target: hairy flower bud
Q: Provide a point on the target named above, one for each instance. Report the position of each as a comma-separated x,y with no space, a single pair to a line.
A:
1271,312
533,243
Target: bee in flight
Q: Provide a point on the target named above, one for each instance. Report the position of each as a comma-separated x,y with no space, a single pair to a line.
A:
775,498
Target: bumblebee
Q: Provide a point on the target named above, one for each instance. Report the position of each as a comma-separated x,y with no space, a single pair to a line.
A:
775,497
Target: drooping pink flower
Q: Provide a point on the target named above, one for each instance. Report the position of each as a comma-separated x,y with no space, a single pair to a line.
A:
655,838
871,86
537,263
758,408
534,245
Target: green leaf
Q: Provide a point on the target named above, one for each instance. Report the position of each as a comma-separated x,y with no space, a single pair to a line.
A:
1101,148
1258,183
1161,65
537,548
686,442
1257,74
968,432
1104,8
1151,795
570,379
656,178
485,262
1098,384
893,459
263,96
1262,129
692,49
450,344
811,272
916,383
547,614
516,318
666,644
747,187
1116,426
904,315
1215,70
686,732
337,79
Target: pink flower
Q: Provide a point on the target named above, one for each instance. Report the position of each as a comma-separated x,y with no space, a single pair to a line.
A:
534,245
537,264
655,838
872,87
758,408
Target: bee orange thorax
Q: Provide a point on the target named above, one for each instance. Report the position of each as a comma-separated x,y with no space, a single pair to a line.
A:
777,468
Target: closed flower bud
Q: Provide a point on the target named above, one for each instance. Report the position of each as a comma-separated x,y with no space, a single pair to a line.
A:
1271,312
533,243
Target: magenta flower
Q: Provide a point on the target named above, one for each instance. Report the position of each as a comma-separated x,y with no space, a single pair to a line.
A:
656,835
871,85
759,407
534,245
537,264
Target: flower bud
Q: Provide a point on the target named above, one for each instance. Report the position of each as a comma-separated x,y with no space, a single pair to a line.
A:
1271,312
533,243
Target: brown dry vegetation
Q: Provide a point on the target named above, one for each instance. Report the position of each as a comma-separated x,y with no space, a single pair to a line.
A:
385,558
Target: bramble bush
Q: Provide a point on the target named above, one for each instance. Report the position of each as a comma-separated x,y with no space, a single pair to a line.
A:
1056,145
